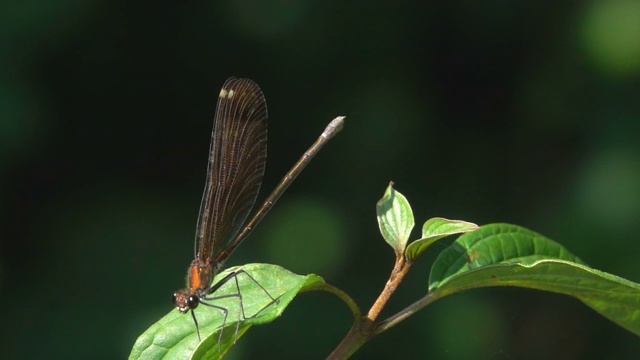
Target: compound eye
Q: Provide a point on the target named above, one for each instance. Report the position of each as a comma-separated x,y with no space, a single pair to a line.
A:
193,302
174,299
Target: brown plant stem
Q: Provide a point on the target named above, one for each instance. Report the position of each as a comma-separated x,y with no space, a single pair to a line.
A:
362,331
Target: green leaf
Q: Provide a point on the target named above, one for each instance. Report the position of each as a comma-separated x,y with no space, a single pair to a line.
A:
174,336
435,229
509,255
395,219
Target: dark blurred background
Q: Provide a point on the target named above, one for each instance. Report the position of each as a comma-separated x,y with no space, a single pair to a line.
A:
507,111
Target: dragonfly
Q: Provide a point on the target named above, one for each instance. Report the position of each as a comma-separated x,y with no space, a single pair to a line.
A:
237,157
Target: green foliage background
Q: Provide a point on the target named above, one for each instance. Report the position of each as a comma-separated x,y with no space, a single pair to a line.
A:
520,112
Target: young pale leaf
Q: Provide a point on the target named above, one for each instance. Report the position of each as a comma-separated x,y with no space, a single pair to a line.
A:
395,219
509,255
434,230
174,336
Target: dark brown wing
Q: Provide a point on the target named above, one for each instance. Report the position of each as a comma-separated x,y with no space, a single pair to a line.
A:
237,159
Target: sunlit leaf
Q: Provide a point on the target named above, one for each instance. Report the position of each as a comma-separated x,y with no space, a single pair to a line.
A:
174,336
395,219
434,230
509,255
